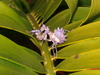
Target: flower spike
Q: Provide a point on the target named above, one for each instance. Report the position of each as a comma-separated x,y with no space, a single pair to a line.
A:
58,37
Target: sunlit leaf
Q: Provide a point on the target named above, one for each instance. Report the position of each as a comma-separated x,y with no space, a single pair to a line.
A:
84,32
9,68
81,47
87,72
73,25
83,61
20,56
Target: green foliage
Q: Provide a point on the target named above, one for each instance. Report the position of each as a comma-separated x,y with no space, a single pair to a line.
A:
87,72
80,52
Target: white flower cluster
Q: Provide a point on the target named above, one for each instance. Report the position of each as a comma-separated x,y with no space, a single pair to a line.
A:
56,37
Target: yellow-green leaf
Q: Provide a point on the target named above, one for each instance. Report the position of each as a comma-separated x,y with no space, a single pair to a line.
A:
86,12
82,61
84,32
14,54
87,72
77,48
10,68
72,6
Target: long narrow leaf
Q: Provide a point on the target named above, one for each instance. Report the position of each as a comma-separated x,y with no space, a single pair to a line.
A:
81,47
83,61
6,10
10,68
87,72
84,32
18,55
72,7
59,20
52,8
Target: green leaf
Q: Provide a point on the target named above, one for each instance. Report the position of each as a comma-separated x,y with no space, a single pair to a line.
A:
80,11
83,61
59,20
11,20
81,47
97,18
33,21
7,1
89,14
94,11
38,5
84,3
6,10
9,23
52,8
20,56
87,72
72,7
27,24
41,7
26,5
13,3
24,18
64,17
44,9
34,54
18,4
10,68
84,32
21,14
73,25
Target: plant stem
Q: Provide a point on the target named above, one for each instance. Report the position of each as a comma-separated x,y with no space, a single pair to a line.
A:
48,63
